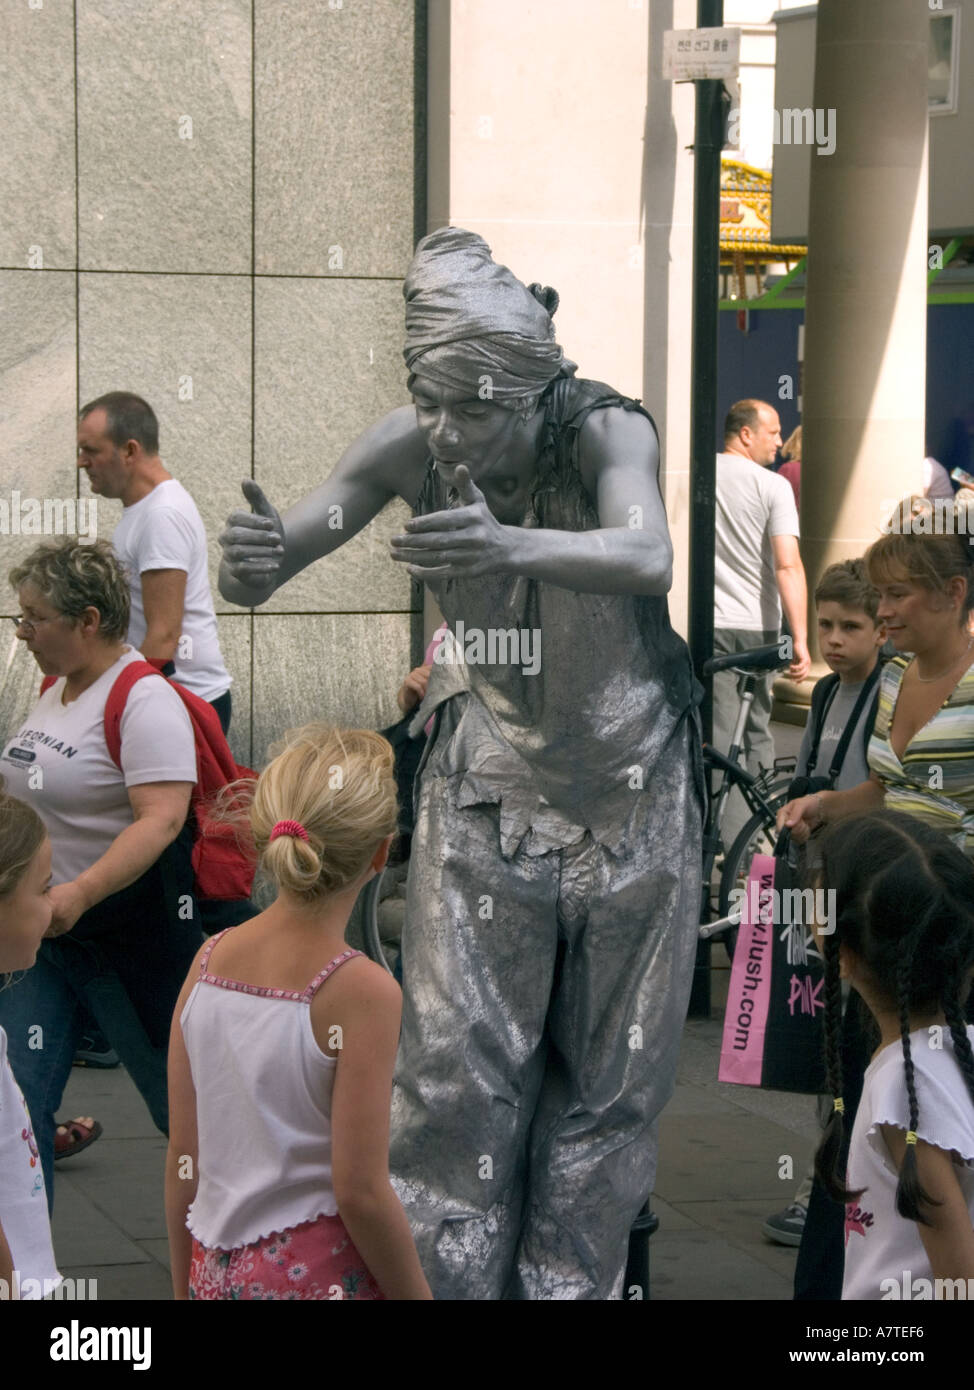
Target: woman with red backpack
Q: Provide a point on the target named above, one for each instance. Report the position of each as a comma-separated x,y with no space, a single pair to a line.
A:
124,926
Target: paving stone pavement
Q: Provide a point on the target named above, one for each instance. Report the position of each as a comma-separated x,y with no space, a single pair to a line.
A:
721,1150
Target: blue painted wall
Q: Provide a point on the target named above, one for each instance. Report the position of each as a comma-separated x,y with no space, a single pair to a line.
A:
750,364
950,384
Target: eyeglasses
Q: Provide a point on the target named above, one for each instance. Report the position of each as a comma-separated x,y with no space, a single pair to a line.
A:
30,625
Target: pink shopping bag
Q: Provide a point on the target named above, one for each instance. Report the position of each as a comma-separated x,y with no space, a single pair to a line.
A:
749,996
773,1028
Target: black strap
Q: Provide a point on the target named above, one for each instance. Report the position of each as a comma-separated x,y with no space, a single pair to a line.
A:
606,398
822,697
838,757
864,695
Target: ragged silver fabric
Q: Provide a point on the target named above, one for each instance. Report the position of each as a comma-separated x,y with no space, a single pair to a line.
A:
551,926
470,321
544,1000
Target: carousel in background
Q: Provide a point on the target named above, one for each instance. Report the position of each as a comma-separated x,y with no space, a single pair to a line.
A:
751,264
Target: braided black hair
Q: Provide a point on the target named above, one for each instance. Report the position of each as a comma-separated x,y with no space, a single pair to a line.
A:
905,906
909,1194
827,1156
958,1033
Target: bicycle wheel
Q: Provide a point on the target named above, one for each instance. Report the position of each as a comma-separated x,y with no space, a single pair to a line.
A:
757,837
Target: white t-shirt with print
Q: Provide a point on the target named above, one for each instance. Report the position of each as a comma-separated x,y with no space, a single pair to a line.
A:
58,762
164,531
23,1199
881,1245
753,505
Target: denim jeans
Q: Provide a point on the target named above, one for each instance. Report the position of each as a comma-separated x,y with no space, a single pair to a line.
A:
124,962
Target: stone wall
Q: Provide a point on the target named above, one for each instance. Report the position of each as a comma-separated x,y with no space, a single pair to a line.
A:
213,205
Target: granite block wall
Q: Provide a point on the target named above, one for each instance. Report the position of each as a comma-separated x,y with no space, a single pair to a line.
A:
213,205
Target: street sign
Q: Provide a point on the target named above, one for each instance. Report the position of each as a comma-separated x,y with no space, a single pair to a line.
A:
690,55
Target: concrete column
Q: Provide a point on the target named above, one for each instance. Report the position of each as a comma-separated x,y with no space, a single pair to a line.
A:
866,311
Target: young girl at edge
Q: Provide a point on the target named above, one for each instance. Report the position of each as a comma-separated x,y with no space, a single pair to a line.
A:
904,938
281,1057
25,915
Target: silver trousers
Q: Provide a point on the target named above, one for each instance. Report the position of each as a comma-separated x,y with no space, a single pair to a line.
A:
544,1002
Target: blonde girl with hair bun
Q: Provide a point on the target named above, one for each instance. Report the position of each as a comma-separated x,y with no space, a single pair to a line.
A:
339,786
282,1052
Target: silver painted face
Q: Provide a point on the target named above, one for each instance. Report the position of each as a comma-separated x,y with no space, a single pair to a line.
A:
461,429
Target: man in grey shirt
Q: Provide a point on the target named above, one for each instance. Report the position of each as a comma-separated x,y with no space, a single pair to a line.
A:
757,569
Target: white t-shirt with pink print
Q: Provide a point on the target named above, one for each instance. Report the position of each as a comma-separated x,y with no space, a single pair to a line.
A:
884,1255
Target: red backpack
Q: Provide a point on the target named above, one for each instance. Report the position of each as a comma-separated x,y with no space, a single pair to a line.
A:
223,869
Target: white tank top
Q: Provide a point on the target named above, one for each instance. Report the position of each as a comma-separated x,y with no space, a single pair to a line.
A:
263,1108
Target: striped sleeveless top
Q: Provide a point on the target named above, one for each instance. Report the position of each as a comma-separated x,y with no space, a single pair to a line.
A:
935,780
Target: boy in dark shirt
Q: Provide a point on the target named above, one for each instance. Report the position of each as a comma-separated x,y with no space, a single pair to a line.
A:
850,638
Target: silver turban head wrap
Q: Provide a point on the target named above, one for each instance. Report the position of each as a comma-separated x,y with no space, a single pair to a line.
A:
472,326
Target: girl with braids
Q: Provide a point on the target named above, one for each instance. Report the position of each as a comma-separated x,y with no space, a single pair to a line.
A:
904,938
25,916
281,1056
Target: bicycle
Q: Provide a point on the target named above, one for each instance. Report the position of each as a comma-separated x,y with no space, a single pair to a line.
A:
764,795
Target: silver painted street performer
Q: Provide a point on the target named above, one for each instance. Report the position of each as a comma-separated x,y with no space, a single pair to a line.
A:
554,881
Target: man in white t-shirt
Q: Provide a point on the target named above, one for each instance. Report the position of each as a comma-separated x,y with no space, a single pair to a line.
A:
757,570
160,540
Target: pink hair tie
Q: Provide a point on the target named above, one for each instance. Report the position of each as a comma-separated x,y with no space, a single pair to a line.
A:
289,827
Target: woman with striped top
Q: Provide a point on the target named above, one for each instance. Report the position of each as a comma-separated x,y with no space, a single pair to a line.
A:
921,761
921,755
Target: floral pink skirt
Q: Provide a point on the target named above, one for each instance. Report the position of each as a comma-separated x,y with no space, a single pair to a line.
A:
314,1260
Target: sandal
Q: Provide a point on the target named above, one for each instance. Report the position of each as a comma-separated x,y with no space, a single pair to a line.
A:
75,1135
